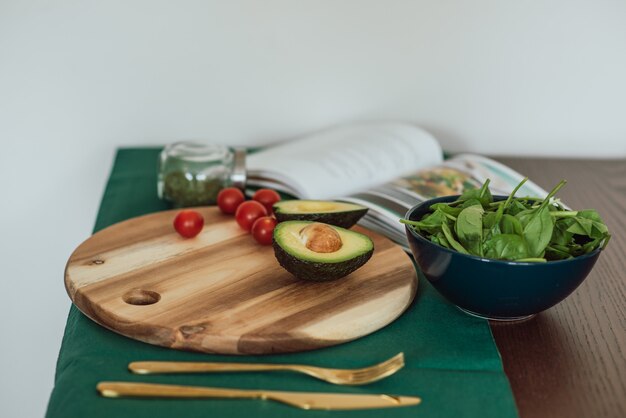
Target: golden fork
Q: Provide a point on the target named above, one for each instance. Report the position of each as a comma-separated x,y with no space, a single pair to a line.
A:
304,400
337,376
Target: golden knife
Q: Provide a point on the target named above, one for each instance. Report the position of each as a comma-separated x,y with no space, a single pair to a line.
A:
304,400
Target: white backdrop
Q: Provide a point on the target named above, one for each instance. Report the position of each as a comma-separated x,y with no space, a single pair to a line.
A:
79,78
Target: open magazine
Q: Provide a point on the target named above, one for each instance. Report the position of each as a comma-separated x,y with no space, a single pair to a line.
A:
387,167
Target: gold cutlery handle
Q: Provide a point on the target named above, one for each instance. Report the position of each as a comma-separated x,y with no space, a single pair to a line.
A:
153,390
150,367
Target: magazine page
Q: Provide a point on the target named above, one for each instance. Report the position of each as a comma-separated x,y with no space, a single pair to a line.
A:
390,202
344,160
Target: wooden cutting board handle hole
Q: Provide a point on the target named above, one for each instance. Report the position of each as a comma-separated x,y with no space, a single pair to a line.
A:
141,297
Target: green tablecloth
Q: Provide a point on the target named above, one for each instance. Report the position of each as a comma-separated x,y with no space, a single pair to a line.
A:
452,361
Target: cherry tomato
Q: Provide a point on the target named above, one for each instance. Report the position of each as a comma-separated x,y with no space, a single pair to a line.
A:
267,197
263,229
188,223
248,212
229,199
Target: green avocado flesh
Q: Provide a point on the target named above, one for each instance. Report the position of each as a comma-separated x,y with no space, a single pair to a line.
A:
293,255
340,214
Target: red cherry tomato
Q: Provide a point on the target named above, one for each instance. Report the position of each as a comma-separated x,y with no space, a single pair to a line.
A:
229,199
188,223
248,212
263,230
267,197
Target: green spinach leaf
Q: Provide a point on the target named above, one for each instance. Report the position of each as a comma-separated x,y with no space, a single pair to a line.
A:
511,225
538,231
451,240
506,247
469,229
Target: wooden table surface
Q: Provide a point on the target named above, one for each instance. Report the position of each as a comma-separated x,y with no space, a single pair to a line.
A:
570,361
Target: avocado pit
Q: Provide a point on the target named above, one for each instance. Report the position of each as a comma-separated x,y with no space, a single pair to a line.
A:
321,238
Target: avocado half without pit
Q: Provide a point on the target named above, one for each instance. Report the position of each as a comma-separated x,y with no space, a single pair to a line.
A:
340,214
320,252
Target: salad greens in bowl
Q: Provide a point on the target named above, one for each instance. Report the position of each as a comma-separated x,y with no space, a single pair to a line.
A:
504,257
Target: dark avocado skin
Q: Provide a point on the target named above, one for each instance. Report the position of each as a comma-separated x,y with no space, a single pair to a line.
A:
318,272
343,219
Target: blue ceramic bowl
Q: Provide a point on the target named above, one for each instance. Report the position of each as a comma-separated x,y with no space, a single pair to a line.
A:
495,289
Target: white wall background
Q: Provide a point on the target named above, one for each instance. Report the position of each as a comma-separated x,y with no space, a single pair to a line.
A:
79,78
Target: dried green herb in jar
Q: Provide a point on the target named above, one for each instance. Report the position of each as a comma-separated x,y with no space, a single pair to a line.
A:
184,189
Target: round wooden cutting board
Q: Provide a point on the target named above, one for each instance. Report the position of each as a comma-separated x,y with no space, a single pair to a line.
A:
221,292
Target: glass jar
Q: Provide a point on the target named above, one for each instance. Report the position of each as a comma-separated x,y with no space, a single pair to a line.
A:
193,173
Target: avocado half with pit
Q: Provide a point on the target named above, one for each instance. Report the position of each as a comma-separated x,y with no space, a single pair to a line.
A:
320,252
340,214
